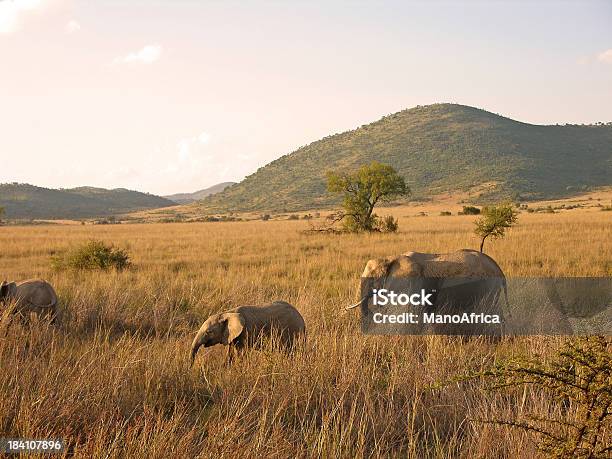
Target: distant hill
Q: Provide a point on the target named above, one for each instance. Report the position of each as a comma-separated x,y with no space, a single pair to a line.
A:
437,148
186,198
31,202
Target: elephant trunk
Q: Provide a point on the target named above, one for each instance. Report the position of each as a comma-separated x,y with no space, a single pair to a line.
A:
195,346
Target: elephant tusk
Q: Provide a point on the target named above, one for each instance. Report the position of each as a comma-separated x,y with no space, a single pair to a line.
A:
359,302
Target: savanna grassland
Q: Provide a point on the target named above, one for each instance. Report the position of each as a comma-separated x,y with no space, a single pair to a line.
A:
113,377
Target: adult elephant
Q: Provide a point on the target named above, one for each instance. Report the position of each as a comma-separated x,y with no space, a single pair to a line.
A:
455,284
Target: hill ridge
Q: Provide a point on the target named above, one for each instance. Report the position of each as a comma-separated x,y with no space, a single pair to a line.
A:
184,198
27,201
437,148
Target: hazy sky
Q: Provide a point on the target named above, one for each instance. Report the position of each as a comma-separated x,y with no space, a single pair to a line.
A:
173,96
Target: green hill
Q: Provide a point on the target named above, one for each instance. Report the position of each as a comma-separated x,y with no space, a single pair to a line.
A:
437,148
186,198
22,201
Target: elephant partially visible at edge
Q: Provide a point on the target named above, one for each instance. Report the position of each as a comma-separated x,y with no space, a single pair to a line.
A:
247,325
30,296
464,279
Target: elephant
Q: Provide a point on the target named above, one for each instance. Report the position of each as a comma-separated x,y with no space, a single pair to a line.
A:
30,296
464,281
245,326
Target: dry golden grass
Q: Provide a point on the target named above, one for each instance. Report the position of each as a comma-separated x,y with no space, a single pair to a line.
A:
113,378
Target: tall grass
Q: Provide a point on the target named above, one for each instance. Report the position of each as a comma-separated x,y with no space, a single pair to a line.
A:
113,378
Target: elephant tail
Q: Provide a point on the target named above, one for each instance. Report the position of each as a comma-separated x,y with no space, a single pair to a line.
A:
505,285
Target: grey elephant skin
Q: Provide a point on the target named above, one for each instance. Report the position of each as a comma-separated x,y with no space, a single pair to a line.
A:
461,281
247,325
30,296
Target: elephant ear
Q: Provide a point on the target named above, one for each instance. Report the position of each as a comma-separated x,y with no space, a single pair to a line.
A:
377,267
234,326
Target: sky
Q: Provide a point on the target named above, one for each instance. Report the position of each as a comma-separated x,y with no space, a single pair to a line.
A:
175,96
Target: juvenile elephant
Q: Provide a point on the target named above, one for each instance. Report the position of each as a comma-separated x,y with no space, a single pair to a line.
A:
246,325
465,281
30,296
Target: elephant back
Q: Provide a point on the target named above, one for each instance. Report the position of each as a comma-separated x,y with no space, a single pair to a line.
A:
37,293
462,263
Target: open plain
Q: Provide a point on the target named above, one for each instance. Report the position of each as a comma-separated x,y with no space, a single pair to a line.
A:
113,379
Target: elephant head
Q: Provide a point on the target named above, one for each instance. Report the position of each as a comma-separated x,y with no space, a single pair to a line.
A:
7,290
222,328
393,273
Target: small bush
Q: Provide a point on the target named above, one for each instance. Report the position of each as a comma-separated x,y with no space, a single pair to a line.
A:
445,213
387,224
470,210
294,217
92,255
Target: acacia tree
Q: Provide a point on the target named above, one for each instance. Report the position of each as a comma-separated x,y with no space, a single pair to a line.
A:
494,221
362,190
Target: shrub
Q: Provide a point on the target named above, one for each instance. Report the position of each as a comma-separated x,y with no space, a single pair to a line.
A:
92,255
579,377
387,224
445,213
293,217
470,210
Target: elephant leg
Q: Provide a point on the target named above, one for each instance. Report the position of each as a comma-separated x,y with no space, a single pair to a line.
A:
49,315
233,351
229,355
24,317
7,324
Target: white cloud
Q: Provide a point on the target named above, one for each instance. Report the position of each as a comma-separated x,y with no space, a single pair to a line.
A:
605,56
147,55
72,26
181,165
184,150
190,149
204,138
11,13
